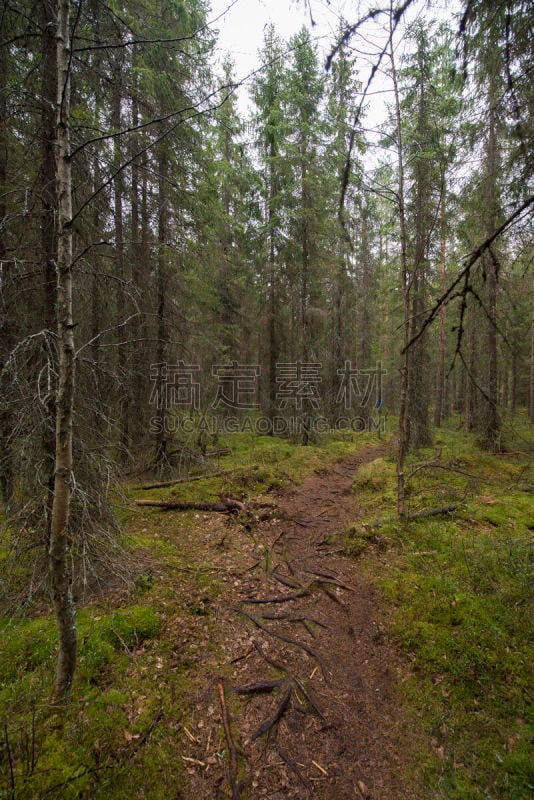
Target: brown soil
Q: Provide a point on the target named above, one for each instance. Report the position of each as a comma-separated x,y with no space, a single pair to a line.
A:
340,734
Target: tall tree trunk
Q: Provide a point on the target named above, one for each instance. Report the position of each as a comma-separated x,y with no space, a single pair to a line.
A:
418,391
305,280
49,204
138,258
491,423
472,392
59,530
531,397
272,307
161,312
6,298
120,295
442,341
403,434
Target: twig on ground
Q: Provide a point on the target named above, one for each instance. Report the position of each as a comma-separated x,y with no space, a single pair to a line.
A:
231,746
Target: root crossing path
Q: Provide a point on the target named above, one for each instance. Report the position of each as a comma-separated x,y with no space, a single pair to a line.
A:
319,715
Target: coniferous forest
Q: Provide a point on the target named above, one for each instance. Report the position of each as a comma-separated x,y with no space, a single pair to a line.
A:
267,403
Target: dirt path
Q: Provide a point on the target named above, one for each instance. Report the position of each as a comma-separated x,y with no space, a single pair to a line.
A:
338,735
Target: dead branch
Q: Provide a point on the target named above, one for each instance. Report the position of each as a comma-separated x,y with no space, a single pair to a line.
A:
187,479
147,734
277,716
435,465
427,512
466,271
224,506
231,746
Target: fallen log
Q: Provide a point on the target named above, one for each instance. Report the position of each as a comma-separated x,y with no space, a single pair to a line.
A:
427,512
224,506
187,479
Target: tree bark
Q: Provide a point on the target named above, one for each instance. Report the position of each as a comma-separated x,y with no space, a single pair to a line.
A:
49,203
490,421
6,298
531,403
59,533
161,312
403,434
442,341
120,296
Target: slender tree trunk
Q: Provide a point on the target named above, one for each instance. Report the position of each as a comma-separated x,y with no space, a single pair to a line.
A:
491,424
418,391
442,341
531,398
472,392
59,531
138,257
272,311
120,296
403,437
6,298
161,312
49,204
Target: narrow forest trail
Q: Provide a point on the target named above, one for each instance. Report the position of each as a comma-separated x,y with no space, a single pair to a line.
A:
307,621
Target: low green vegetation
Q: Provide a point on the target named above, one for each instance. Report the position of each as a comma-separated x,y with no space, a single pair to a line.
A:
458,596
146,651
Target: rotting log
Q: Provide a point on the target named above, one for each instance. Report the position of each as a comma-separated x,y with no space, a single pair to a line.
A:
224,506
427,512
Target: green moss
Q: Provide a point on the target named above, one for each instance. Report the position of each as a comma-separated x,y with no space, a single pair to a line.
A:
460,600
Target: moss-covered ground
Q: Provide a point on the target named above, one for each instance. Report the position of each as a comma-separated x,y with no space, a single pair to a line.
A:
456,600
147,652
459,601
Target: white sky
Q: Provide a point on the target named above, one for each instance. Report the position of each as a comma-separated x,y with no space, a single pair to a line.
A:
242,26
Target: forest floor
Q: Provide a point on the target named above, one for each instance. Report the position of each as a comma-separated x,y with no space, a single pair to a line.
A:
295,649
307,649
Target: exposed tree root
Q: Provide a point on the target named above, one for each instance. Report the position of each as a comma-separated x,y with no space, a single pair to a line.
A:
285,639
294,618
281,599
290,582
277,716
259,688
268,659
